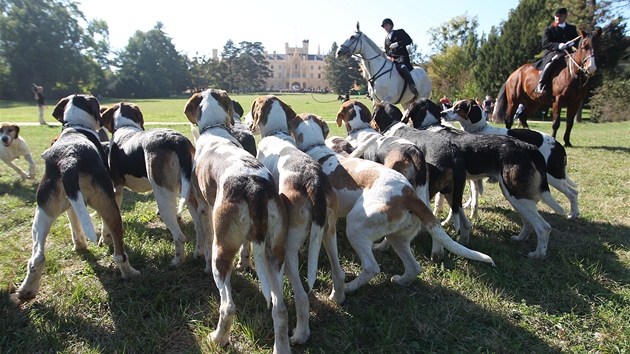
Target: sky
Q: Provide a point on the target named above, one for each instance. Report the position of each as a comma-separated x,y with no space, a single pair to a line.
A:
198,27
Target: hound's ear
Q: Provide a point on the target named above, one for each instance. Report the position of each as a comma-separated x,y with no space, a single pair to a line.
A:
94,106
60,108
325,129
107,118
598,32
17,130
191,110
288,111
138,114
358,30
342,112
474,112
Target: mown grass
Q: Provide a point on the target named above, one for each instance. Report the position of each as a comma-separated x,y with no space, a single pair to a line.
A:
575,300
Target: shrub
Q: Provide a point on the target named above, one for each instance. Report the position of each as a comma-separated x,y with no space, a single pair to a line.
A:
609,101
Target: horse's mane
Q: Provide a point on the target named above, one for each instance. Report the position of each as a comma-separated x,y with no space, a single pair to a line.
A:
371,43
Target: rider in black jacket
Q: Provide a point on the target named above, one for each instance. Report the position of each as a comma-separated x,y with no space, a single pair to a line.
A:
396,43
555,40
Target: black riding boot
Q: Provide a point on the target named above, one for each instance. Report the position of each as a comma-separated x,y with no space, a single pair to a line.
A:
542,80
407,76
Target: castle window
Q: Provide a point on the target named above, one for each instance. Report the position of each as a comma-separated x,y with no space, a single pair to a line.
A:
311,67
319,76
272,67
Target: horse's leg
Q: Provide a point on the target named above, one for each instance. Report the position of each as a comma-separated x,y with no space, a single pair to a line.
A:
555,108
571,112
529,110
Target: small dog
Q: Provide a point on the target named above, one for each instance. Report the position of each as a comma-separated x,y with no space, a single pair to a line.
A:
158,160
469,115
398,154
519,168
76,174
13,146
377,202
238,202
310,199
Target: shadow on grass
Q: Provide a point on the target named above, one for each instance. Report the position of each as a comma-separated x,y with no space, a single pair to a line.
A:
614,149
25,190
581,262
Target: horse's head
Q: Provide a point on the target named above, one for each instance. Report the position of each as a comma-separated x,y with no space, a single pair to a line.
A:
589,47
351,45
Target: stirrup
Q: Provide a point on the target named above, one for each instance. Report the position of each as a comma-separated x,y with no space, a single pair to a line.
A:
541,91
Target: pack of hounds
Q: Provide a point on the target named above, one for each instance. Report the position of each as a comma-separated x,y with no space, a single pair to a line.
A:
263,201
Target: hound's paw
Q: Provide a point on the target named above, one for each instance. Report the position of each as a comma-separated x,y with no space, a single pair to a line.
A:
299,338
536,255
215,337
337,296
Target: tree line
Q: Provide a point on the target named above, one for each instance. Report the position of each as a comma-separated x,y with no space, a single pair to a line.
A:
51,43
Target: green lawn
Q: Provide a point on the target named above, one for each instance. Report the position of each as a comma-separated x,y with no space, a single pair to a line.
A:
577,299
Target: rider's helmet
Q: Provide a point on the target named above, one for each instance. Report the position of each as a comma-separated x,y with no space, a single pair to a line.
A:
387,20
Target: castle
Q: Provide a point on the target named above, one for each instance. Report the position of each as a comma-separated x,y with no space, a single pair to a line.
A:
296,70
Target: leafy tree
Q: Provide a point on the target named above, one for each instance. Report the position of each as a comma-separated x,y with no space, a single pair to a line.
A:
207,72
250,67
341,73
516,42
229,55
449,69
42,41
150,66
452,33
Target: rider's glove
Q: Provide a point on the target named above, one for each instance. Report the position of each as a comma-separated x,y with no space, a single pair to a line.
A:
393,45
570,44
561,46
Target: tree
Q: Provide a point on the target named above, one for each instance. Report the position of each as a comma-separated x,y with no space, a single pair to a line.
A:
151,67
250,67
341,73
456,45
42,41
516,42
229,55
452,33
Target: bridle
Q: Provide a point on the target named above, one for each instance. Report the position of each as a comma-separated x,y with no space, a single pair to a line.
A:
357,42
581,68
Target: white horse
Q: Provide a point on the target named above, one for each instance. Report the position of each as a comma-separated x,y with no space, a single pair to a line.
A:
385,82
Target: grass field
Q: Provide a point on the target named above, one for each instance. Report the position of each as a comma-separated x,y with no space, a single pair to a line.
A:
577,299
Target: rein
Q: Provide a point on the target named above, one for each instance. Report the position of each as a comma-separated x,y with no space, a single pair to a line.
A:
581,68
358,43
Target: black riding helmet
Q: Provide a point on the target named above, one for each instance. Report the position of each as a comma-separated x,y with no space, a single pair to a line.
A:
387,20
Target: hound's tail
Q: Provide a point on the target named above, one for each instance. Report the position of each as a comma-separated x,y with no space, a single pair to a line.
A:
195,132
70,182
186,156
432,224
320,212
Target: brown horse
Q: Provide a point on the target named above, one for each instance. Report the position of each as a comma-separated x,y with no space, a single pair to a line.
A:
569,87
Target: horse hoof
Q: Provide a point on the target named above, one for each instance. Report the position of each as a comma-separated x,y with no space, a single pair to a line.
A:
568,144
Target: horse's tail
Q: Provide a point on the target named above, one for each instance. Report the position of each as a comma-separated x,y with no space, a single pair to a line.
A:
500,107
